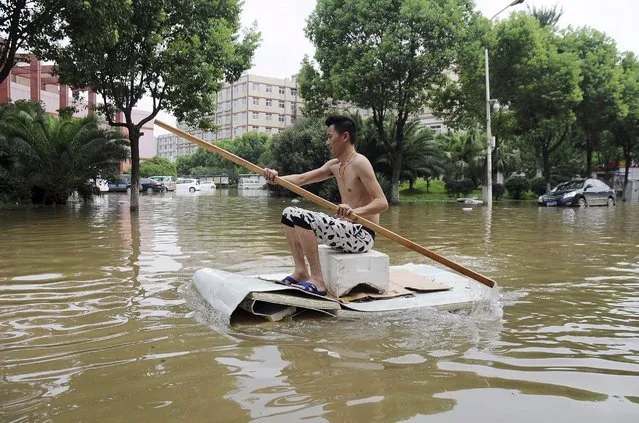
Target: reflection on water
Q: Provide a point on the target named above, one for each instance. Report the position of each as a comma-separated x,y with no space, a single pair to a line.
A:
99,320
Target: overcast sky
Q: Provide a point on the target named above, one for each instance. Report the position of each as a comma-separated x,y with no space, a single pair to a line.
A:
282,22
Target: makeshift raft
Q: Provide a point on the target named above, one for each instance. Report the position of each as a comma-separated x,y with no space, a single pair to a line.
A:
411,286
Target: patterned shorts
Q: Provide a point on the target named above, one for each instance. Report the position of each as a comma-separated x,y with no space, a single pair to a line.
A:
341,235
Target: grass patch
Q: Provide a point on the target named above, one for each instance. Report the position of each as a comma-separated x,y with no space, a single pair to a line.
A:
436,192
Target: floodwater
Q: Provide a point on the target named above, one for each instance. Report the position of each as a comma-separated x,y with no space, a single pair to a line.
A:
100,320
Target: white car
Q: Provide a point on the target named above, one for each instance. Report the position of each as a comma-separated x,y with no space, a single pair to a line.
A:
187,184
207,185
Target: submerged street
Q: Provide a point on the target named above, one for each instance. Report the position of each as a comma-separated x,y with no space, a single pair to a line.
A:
101,322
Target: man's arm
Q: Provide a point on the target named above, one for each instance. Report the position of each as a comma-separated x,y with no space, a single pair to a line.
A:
367,176
316,175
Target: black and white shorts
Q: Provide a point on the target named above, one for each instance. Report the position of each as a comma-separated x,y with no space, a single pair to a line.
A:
341,235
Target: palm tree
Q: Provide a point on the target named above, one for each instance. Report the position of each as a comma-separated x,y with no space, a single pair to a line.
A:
466,153
52,157
422,157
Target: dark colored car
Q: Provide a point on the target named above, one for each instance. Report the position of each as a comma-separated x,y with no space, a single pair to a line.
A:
123,184
150,185
579,192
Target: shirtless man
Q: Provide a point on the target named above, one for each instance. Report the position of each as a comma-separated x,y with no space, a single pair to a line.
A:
360,192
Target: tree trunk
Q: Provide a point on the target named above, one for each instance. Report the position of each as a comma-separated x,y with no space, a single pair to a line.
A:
397,168
545,152
411,184
398,155
427,185
134,139
589,149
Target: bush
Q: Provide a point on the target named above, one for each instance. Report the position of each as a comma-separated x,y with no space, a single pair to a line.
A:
157,166
459,187
538,185
498,191
517,186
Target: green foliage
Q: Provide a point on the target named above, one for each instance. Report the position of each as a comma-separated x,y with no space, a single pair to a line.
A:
538,185
466,155
25,25
383,58
517,186
625,127
178,53
300,148
546,16
600,85
48,158
251,146
157,166
538,81
455,188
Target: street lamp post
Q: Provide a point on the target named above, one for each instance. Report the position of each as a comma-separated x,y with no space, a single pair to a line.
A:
489,136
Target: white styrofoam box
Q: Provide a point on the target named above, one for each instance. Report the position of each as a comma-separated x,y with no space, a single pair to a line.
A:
344,271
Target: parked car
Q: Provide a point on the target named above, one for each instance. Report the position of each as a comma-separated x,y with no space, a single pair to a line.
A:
168,181
207,185
151,185
121,184
188,184
579,192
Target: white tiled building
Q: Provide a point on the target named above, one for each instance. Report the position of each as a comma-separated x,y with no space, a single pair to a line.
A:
253,103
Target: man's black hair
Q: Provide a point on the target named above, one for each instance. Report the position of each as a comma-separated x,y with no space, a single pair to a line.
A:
343,124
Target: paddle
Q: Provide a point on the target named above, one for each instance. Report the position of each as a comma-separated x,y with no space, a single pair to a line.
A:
327,204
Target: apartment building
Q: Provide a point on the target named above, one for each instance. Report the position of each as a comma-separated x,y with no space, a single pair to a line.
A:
254,103
257,103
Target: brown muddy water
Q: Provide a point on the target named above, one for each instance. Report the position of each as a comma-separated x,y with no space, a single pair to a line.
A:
100,320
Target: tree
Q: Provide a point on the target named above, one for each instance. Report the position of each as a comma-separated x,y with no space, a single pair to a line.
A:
157,166
25,25
466,155
250,146
625,128
177,53
600,85
384,58
546,16
52,157
538,82
300,148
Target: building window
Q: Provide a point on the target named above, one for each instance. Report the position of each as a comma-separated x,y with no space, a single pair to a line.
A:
256,101
256,115
256,87
268,116
281,118
269,102
281,104
268,130
255,128
282,90
294,92
269,89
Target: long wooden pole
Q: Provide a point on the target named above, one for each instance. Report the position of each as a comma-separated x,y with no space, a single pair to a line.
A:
327,204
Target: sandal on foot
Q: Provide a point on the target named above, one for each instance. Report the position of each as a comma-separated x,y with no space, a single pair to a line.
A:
309,287
289,280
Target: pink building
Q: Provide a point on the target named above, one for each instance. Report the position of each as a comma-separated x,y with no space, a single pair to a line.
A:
35,81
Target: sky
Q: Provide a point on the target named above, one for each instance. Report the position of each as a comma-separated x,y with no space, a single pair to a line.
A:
282,22
284,44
